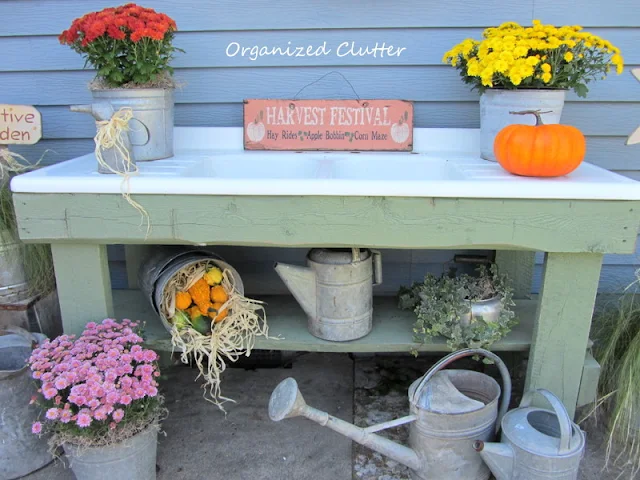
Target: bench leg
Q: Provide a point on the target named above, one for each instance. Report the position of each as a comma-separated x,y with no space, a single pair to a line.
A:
561,332
84,286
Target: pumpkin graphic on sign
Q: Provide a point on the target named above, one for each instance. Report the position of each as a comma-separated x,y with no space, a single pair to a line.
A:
400,130
255,129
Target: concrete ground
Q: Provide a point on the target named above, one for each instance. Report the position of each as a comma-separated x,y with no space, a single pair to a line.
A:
201,443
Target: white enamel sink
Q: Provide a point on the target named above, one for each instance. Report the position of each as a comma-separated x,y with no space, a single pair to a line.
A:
323,166
211,161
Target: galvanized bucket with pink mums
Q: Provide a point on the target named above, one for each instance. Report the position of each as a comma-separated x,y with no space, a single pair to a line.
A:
100,400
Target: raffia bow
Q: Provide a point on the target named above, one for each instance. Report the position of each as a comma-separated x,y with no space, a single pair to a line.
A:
109,135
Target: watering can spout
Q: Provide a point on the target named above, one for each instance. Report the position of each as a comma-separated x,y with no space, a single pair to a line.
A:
499,458
287,402
301,282
100,111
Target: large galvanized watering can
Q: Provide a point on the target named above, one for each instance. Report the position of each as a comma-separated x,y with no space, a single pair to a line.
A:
151,129
447,415
335,290
537,444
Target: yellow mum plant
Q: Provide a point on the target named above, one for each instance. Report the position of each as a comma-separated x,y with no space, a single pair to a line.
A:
542,56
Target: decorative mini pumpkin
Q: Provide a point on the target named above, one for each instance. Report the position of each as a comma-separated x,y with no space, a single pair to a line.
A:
540,150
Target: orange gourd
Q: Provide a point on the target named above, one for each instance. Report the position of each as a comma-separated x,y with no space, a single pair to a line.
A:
183,300
540,150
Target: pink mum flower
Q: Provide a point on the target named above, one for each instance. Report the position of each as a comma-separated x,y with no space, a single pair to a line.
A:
61,383
65,416
36,428
52,414
84,420
118,415
49,393
150,356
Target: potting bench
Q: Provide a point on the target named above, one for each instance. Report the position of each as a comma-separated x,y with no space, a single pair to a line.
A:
444,197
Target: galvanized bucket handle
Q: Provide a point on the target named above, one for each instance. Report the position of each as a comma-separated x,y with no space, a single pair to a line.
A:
30,337
566,429
468,352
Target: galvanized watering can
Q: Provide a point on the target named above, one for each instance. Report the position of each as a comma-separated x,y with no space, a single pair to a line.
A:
152,134
335,290
537,444
449,410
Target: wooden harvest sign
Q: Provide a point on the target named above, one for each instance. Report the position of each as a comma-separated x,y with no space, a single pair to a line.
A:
348,125
19,125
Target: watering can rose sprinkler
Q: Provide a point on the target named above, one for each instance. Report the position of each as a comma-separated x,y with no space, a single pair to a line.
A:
449,409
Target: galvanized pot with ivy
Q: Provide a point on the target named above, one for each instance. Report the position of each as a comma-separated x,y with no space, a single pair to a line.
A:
469,311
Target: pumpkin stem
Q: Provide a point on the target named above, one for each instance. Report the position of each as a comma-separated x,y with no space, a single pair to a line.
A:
537,113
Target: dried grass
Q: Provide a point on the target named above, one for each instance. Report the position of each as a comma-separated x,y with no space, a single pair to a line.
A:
617,347
165,81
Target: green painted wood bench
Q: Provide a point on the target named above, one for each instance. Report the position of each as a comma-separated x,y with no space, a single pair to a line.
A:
80,213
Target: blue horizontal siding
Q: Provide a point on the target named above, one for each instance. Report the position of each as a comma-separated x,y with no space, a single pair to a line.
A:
40,17
228,85
424,46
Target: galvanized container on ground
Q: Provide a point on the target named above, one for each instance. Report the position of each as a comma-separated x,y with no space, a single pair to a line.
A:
21,452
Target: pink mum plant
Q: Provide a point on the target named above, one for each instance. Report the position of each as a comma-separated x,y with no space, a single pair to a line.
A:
98,388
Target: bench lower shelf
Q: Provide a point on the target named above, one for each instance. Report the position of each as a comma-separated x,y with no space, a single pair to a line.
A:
392,328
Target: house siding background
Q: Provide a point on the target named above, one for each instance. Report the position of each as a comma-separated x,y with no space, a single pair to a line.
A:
36,70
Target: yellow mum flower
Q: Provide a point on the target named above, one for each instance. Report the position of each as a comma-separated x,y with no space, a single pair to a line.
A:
507,56
500,66
546,77
568,56
526,71
466,46
473,68
533,61
506,25
546,68
520,51
618,61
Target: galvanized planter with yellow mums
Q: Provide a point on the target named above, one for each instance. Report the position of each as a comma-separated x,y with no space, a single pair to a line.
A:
529,68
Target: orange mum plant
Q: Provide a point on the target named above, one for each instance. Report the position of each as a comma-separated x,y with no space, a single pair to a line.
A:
127,45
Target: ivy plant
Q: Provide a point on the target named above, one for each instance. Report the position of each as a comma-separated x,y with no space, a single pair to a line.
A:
440,303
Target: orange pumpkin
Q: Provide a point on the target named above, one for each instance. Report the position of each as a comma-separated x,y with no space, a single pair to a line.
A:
540,150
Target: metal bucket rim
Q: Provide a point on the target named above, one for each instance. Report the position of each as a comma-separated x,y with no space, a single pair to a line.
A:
489,405
163,257
133,91
575,429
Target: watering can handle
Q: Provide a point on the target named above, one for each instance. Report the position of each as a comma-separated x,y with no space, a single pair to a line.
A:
559,409
146,129
467,352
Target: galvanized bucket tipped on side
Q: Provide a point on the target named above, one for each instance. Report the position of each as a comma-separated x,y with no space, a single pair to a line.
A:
156,271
